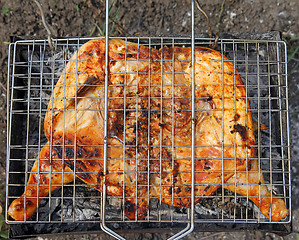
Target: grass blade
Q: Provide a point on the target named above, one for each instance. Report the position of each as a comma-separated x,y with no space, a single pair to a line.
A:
92,31
293,53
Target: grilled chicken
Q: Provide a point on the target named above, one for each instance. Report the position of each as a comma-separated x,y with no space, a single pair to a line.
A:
47,174
149,130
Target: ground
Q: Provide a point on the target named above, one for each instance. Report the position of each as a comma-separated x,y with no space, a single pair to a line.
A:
78,18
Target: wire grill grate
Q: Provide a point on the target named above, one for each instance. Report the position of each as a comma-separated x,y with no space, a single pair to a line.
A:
33,72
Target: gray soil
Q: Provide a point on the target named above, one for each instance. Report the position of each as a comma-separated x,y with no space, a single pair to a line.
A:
77,18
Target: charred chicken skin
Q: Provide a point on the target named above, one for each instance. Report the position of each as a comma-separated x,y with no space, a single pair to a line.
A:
149,130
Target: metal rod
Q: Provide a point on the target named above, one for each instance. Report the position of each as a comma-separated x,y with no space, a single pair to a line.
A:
161,131
258,124
270,127
103,207
40,120
29,72
136,133
8,129
280,89
190,226
149,129
193,119
287,127
75,127
246,109
103,226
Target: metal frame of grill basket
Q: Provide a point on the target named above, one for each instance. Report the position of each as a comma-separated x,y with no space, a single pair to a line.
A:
33,71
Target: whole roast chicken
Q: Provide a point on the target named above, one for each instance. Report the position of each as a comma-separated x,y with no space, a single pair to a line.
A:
149,130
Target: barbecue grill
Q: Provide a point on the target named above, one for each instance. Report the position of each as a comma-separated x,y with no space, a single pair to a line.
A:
33,70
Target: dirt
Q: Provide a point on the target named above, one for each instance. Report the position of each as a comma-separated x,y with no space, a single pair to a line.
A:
78,18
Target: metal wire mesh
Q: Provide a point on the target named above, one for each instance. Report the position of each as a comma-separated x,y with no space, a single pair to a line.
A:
33,72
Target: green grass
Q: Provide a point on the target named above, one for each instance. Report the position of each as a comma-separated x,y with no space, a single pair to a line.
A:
56,4
6,10
293,51
3,228
77,7
293,47
102,30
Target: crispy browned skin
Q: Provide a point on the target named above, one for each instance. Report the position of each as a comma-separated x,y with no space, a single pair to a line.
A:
149,149
46,171
252,184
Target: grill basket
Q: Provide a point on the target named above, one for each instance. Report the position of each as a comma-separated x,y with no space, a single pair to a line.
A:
32,74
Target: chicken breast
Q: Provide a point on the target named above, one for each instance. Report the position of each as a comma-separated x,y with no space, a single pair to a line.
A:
149,129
